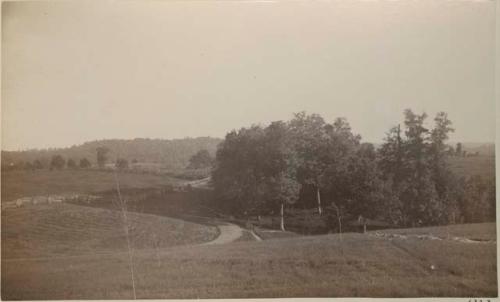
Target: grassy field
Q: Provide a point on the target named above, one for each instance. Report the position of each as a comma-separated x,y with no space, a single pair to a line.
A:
474,231
16,184
267,234
67,230
70,251
359,265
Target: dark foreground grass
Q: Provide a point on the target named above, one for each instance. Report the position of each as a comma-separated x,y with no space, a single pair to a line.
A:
358,265
17,184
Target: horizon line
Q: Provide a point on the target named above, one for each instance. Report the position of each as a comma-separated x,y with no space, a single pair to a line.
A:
186,137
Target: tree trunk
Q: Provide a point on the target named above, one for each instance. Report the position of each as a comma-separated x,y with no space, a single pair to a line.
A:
340,224
339,218
282,224
364,227
320,211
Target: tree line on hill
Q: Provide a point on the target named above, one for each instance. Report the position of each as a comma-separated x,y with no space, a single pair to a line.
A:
307,162
170,154
58,162
198,166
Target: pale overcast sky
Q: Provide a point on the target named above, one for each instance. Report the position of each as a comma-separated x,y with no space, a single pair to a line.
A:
78,71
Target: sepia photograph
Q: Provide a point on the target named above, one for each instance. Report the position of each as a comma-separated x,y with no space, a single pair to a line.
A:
241,149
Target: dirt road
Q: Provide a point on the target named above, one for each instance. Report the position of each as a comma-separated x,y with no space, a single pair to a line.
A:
228,233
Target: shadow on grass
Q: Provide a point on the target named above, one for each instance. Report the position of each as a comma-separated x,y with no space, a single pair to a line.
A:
191,206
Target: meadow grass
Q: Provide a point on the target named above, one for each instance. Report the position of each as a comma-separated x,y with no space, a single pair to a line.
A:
65,251
267,234
473,231
358,265
66,230
17,184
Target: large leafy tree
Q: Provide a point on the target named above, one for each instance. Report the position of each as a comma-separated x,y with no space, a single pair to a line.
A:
394,172
202,159
238,172
438,149
311,142
415,165
353,185
280,168
420,196
392,154
322,151
256,170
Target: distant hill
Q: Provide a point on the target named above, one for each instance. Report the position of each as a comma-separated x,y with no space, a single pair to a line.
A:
169,153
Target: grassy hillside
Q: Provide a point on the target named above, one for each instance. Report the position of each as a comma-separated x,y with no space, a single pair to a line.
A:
16,184
66,230
169,153
359,265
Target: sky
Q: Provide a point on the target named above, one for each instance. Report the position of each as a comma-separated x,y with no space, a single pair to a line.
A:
84,70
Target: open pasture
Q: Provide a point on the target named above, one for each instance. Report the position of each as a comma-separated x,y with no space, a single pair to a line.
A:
67,230
17,184
473,231
358,265
70,251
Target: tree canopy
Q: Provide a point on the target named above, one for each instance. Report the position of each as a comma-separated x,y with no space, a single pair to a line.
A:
202,159
406,182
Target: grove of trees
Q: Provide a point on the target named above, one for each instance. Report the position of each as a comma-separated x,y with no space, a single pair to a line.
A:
309,162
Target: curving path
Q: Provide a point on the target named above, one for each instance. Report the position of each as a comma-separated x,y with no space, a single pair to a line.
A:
228,233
